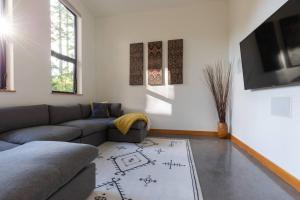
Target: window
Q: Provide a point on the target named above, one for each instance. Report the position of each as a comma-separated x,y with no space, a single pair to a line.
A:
3,74
63,48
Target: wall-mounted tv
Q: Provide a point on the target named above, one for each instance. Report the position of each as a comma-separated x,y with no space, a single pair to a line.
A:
271,54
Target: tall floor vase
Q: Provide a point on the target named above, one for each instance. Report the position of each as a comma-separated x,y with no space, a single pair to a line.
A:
222,130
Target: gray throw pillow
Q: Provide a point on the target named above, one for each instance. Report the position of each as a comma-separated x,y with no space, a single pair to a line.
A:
100,110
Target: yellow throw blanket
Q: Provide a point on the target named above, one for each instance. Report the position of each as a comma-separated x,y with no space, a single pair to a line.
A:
125,122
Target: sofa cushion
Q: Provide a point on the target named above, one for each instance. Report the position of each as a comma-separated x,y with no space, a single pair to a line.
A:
41,133
100,110
23,117
115,109
38,169
90,126
61,114
138,125
133,135
86,111
5,146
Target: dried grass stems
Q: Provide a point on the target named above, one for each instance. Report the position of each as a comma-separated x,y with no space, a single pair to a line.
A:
218,79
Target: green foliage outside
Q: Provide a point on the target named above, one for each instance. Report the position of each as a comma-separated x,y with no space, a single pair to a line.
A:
62,42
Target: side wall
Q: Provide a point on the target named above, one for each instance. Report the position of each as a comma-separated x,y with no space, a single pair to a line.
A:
32,56
276,138
189,106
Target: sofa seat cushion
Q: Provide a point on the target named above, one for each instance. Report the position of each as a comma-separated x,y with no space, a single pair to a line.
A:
90,126
38,169
41,133
6,146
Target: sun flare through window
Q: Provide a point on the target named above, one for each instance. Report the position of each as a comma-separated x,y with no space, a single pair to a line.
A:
63,48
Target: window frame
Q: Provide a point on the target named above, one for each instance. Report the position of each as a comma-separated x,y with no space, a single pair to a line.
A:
68,59
3,53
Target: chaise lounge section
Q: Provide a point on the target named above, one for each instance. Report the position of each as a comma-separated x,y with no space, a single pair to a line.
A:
47,171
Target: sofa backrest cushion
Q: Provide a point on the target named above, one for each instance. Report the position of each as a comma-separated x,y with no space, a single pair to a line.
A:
86,111
61,114
22,117
115,109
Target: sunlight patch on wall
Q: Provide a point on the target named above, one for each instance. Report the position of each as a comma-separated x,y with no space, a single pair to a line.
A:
165,91
157,106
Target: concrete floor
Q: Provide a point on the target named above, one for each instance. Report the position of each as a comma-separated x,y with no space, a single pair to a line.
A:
227,173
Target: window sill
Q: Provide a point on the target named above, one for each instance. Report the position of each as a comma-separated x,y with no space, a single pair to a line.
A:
8,91
70,94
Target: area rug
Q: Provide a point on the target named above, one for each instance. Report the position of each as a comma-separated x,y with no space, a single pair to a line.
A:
154,169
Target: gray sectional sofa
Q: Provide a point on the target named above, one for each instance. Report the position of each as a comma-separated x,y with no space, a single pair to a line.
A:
39,157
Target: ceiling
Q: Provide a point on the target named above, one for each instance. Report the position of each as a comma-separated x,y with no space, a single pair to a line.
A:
104,8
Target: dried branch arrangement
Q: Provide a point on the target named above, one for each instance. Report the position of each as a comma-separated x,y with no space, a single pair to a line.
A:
218,79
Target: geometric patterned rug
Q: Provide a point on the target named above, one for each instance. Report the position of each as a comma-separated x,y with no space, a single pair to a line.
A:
156,169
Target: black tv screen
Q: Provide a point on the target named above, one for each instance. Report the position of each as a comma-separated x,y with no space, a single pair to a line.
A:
271,54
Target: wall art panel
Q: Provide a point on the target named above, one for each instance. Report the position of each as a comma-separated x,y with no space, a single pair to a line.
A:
175,61
155,70
136,64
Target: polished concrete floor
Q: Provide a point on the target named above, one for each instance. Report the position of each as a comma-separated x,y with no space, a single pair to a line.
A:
227,173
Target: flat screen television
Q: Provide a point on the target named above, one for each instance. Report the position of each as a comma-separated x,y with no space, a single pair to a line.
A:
271,53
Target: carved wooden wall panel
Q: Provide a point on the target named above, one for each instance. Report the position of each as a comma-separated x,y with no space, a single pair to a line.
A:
137,64
155,71
175,61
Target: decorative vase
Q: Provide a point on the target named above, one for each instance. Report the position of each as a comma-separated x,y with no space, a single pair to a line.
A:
222,130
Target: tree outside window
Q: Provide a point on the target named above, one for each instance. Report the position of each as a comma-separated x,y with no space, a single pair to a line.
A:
63,48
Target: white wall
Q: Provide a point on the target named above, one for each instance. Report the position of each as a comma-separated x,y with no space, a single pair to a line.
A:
204,29
32,56
277,138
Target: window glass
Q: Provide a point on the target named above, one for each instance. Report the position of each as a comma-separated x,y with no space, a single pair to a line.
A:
63,48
